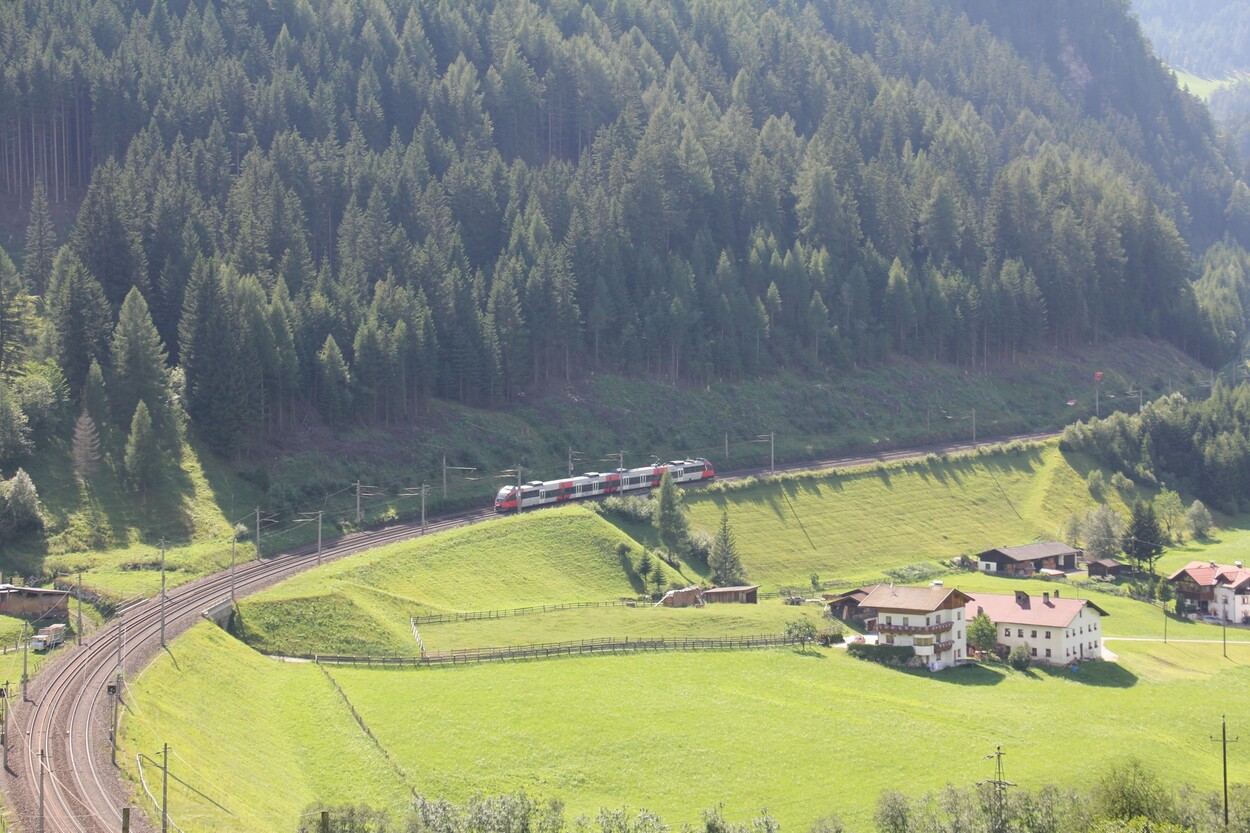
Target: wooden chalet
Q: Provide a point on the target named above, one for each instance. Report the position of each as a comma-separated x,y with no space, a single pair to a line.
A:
848,606
1026,560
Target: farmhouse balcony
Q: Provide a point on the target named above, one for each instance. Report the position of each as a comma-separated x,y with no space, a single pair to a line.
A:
943,647
940,627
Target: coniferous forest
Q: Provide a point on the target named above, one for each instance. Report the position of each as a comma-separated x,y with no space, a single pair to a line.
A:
354,205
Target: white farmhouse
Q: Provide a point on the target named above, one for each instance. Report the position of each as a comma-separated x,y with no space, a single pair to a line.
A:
1056,631
929,619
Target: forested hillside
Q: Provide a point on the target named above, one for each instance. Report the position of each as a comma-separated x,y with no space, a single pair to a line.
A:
354,206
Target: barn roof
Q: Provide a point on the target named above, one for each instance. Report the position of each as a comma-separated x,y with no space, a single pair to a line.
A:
1032,552
1023,609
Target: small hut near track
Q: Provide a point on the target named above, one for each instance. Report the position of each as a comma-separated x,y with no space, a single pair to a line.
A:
33,602
1107,568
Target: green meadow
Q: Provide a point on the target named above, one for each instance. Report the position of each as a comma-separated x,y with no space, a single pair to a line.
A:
803,733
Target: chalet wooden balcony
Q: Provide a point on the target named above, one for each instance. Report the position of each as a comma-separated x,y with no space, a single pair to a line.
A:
940,627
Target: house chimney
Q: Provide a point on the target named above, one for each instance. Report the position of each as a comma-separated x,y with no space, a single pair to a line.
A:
1045,598
980,610
1056,592
1022,598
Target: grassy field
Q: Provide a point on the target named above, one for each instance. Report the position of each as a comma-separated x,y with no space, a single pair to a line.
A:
263,740
801,734
362,604
852,527
1199,85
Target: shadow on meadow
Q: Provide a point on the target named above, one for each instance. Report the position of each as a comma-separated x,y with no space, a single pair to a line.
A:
1098,674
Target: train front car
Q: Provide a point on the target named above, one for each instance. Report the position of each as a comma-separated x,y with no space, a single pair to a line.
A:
506,499
708,471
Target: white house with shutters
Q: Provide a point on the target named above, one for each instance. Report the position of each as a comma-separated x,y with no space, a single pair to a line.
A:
928,619
1056,631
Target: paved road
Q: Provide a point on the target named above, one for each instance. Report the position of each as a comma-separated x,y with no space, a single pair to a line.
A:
60,743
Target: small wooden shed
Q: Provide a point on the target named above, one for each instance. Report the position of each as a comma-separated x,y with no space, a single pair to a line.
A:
745,595
1106,567
33,602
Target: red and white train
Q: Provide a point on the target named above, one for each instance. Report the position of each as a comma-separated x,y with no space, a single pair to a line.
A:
593,484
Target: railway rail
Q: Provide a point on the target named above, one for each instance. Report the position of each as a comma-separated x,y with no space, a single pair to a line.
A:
60,744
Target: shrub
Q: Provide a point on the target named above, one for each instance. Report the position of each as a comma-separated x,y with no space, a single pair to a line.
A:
1020,658
700,546
1096,484
1121,483
884,654
628,508
1199,519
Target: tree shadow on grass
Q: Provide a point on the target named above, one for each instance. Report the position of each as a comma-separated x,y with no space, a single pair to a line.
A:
1100,674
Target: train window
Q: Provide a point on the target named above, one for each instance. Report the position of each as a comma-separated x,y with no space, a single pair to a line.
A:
533,493
546,493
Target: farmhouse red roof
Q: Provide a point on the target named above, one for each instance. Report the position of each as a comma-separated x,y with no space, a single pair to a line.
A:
1203,573
1023,609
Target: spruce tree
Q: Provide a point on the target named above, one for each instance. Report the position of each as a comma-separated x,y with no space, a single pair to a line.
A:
40,242
333,384
15,442
15,315
138,364
142,455
80,319
95,395
670,517
724,561
1143,539
105,237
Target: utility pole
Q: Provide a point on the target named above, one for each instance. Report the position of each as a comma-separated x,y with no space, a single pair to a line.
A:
1224,742
42,767
320,512
444,475
258,533
117,699
25,649
424,489
4,725
772,457
726,445
165,791
999,785
162,592
518,489
125,820
325,821
79,626
974,426
570,461
234,540
357,503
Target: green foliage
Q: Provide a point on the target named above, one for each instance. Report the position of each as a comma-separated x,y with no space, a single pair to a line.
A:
1102,531
334,383
670,516
44,397
15,441
85,451
1130,790
40,248
1143,540
1020,657
1198,519
143,455
982,634
1169,509
885,654
137,364
20,511
801,631
724,560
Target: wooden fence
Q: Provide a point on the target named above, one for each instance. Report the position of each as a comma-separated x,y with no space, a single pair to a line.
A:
603,645
477,615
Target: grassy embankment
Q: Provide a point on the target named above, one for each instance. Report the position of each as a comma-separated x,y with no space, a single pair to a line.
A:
112,534
679,732
852,527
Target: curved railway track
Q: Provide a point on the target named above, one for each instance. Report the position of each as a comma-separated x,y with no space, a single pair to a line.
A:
67,718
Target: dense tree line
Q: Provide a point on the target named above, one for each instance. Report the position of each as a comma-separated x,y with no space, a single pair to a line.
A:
1202,448
360,205
1206,37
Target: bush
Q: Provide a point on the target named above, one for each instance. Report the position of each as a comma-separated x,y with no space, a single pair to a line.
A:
1020,658
1121,483
1096,484
629,508
700,546
884,654
20,511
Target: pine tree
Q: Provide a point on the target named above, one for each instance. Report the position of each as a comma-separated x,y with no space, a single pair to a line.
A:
670,517
80,319
40,242
16,319
142,455
333,384
105,237
85,451
724,561
138,364
1143,539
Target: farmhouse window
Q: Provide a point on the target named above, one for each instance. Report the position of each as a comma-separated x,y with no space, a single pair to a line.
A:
1006,632
1033,651
1048,634
1032,634
1048,652
1020,632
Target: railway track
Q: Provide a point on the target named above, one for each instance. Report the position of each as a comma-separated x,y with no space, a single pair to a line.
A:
60,743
